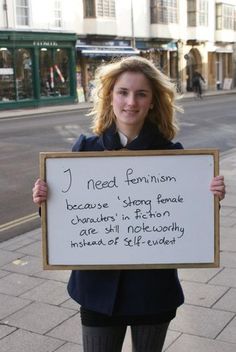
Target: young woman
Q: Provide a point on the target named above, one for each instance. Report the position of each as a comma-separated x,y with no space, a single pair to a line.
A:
133,109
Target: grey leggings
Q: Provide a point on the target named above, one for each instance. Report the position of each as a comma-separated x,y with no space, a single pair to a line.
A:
145,338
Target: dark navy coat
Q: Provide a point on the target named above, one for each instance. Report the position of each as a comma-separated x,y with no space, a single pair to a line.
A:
126,292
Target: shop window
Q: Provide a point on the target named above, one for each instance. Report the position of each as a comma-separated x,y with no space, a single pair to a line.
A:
7,86
22,12
24,84
54,72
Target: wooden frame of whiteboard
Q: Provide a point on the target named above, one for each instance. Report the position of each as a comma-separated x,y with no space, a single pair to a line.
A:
123,153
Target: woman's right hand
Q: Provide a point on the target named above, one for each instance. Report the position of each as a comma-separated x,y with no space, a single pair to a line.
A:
40,192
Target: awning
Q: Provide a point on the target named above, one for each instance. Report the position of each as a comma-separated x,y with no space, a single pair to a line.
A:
91,50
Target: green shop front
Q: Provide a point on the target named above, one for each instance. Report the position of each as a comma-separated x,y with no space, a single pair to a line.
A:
36,69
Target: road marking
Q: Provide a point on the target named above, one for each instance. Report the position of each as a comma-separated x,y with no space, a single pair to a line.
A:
17,222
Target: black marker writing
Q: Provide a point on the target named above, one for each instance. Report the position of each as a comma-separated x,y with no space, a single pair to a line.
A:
70,180
147,178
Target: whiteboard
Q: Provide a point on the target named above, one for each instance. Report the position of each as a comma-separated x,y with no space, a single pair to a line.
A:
139,209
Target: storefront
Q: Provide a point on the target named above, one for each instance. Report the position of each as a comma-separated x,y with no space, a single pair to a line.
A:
90,55
36,68
163,55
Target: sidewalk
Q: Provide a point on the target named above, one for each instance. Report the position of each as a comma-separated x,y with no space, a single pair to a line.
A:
36,314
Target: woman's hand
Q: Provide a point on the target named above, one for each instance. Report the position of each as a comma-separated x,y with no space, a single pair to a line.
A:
40,192
218,187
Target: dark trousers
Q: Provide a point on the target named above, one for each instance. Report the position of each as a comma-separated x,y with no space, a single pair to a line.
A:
145,338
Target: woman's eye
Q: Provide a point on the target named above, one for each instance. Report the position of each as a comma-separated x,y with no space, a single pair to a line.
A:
141,94
122,92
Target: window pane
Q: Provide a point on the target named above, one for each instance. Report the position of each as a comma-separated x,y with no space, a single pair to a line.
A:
24,85
89,8
46,79
7,88
106,8
61,72
22,12
57,14
54,72
164,11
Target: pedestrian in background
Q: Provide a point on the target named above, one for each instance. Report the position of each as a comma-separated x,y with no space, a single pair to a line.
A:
196,82
133,109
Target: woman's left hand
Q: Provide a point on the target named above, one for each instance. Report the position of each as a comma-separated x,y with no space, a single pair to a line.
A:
218,187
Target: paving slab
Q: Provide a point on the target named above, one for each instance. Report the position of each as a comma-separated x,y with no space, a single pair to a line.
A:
228,240
229,333
171,337
52,292
32,249
227,211
227,277
10,305
230,221
227,302
27,265
228,259
69,347
190,343
25,341
200,321
3,273
16,242
69,330
230,231
202,294
71,304
198,275
56,275
39,317
16,284
5,330
7,257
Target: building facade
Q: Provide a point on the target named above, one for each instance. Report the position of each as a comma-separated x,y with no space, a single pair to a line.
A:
49,50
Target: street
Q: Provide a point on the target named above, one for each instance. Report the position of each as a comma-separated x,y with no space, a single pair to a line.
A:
207,123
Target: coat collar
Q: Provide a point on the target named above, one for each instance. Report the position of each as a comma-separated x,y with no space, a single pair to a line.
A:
149,138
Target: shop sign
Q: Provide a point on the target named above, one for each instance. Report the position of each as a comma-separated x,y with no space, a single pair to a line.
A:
45,43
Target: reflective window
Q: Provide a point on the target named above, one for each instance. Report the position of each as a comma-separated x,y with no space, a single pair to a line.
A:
54,72
24,85
7,86
22,12
225,16
89,8
164,11
57,13
106,8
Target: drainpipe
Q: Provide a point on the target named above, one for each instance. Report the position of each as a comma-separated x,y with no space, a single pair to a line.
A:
6,12
133,44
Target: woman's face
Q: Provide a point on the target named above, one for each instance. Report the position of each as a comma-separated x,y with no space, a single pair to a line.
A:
131,100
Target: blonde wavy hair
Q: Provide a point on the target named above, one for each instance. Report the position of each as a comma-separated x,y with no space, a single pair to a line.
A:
163,112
